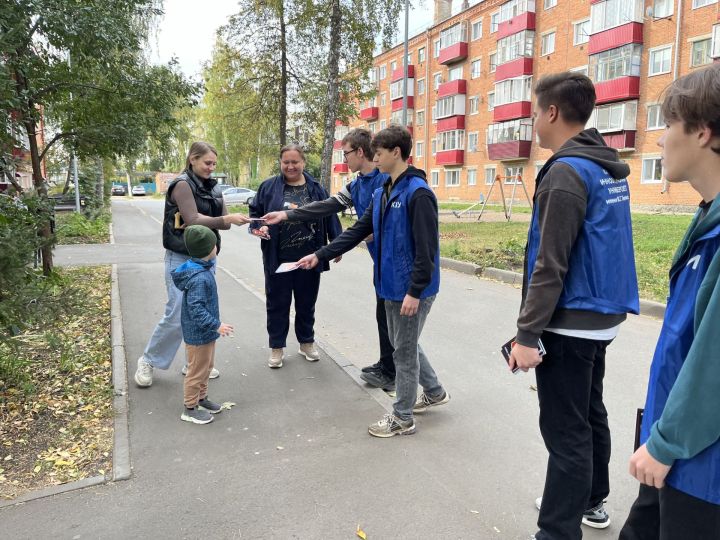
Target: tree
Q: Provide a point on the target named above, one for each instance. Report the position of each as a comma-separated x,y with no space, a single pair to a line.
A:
79,65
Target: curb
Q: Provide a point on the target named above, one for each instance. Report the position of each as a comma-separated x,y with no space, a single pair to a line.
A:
55,490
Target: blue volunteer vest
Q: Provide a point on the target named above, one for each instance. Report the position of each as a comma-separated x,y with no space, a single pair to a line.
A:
601,272
397,247
698,476
361,191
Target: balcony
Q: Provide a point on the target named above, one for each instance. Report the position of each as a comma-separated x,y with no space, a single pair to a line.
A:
397,104
337,145
625,140
450,157
509,150
453,53
369,113
341,168
514,68
616,37
397,74
451,88
449,124
524,21
617,90
511,111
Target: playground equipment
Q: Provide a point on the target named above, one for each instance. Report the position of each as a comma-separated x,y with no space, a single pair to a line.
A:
507,209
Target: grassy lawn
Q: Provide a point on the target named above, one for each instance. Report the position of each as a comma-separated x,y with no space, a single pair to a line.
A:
74,228
460,206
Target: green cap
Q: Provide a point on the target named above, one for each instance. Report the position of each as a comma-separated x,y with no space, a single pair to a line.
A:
199,241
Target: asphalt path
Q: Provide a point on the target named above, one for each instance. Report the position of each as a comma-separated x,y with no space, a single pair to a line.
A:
293,459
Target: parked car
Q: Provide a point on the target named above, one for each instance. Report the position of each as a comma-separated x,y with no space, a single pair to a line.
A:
238,195
224,187
118,189
138,190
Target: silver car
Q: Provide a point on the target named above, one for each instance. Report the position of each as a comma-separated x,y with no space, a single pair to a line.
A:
238,195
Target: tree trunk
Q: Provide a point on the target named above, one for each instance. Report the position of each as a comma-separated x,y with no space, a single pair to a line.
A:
333,95
100,186
283,76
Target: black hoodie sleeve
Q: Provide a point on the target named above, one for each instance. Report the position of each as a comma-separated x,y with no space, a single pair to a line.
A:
350,238
424,222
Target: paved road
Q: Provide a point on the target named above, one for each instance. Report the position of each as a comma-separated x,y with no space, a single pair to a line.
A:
293,459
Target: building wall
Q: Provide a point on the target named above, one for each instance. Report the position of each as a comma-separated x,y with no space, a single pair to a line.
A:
695,23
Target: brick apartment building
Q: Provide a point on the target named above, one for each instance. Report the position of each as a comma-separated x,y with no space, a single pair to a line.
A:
470,79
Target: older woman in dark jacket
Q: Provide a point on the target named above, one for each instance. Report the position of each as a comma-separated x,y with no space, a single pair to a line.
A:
289,241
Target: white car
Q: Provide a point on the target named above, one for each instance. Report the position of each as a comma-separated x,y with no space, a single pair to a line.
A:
238,195
138,190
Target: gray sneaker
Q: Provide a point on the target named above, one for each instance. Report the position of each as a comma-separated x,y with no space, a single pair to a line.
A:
196,416
309,351
209,406
144,373
378,379
595,517
276,358
214,373
390,425
424,402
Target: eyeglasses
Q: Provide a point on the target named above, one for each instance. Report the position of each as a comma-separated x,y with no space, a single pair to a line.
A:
346,154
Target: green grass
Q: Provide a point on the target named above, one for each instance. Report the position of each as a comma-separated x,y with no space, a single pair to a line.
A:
459,206
74,228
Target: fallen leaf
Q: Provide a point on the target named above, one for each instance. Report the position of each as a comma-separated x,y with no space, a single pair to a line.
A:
227,405
8,458
281,448
361,533
37,469
474,512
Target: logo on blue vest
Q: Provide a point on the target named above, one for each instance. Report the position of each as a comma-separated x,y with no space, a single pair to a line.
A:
396,204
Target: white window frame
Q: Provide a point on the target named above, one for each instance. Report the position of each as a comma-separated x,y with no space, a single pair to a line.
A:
513,90
473,181
514,170
434,177
513,8
433,147
383,72
419,149
697,4
473,135
490,181
623,61
477,23
372,127
453,139
421,86
383,124
420,117
514,46
437,80
715,52
475,63
580,69
473,104
393,66
450,106
654,117
624,111
454,173
383,99
520,129
549,4
421,55
492,66
666,10
644,178
656,50
701,39
455,73
494,21
436,48
581,32
622,11
452,35
491,101
545,48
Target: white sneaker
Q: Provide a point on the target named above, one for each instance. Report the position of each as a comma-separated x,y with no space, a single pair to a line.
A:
214,373
309,351
276,358
144,373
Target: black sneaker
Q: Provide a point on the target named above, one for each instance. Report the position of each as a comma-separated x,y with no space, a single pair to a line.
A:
209,406
596,517
376,367
424,402
196,416
379,380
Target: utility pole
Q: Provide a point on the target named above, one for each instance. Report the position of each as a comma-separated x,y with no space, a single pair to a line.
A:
76,181
405,65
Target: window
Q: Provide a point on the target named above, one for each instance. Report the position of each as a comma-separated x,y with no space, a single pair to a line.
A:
393,65
436,48
513,90
437,80
372,75
660,59
421,55
612,13
455,34
581,32
580,69
451,140
450,106
492,61
474,104
614,117
371,127
491,101
452,177
513,8
396,89
489,176
547,43
619,62
383,99
420,118
383,124
383,72
516,46
475,69
654,116
513,174
477,30
396,117
538,167
421,87
514,130
433,114
700,54
472,143
651,171
433,147
702,3
419,148
549,4
434,178
662,8
409,59
337,158
455,73
716,42
472,177
494,22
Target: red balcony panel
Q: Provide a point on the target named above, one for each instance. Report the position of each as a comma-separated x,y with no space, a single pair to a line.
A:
617,90
337,145
596,1
339,123
451,88
621,141
453,53
409,128
509,150
341,168
397,103
511,111
397,74
616,37
450,157
516,68
448,124
524,21
410,160
369,113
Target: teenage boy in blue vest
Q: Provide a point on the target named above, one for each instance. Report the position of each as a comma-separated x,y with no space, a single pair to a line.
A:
678,464
358,154
403,219
579,284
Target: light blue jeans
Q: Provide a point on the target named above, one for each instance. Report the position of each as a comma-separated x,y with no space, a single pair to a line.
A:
411,364
167,336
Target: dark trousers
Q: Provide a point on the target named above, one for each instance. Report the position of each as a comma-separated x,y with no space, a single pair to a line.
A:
669,514
387,365
279,291
574,426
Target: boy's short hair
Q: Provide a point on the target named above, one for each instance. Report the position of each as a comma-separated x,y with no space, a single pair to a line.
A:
572,93
393,137
360,138
694,99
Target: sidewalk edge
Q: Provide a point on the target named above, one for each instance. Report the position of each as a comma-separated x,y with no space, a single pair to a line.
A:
121,442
